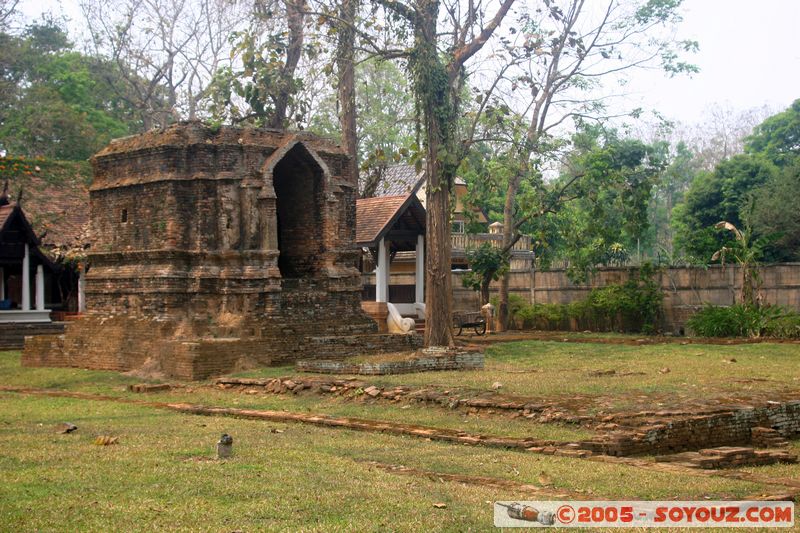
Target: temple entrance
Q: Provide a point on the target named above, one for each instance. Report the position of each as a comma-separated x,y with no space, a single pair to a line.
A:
297,180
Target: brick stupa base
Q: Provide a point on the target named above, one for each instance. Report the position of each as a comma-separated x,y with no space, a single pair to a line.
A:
217,249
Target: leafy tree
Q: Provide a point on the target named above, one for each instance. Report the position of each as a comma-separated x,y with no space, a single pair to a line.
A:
386,127
559,60
487,263
766,176
775,214
607,211
669,191
437,81
715,196
55,102
778,137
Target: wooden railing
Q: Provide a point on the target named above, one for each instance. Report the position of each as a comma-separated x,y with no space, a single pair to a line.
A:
464,241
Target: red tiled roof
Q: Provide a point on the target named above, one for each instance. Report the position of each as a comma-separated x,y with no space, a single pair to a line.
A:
373,214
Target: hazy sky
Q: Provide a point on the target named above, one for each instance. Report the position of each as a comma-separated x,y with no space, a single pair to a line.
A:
749,56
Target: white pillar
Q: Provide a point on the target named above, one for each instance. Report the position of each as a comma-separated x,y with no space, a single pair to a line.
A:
40,288
81,289
419,273
382,275
26,280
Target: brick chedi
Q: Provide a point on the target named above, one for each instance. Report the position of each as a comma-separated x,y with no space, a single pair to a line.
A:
215,250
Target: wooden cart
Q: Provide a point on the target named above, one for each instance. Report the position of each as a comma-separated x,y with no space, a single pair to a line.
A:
469,320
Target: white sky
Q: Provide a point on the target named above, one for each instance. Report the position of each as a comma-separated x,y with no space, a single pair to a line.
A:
749,57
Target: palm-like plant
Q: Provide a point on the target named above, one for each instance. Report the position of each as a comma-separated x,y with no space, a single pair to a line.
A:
746,252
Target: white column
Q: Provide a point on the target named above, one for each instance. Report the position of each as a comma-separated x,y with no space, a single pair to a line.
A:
419,277
382,275
40,288
81,289
26,280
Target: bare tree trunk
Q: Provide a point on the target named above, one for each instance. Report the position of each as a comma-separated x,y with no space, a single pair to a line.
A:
345,57
295,16
436,107
436,87
508,235
438,277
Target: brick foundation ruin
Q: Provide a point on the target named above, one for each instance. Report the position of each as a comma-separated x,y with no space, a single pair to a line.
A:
216,250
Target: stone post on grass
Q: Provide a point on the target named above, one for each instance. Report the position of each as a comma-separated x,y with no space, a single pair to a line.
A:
225,446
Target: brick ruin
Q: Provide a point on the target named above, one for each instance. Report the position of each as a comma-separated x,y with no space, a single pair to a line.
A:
215,250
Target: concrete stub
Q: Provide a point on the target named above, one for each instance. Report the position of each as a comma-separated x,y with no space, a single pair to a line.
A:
225,446
488,313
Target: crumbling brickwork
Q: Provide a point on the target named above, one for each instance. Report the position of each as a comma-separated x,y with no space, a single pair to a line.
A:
728,428
215,249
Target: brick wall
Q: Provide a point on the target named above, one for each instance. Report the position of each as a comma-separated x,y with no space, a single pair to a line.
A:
701,431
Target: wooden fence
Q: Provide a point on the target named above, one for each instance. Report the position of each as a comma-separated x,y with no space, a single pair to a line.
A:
686,289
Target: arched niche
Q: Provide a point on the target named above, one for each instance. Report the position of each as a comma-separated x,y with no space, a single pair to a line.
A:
298,179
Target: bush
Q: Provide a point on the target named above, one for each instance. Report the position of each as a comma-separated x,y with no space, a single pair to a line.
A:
634,306
745,321
543,316
784,327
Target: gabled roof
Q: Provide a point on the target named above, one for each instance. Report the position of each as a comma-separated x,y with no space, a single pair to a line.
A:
11,212
375,217
400,180
13,220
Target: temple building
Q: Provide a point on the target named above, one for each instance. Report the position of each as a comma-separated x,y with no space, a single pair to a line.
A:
218,249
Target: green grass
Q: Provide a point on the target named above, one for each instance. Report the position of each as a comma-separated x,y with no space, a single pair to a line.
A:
113,384
562,370
159,476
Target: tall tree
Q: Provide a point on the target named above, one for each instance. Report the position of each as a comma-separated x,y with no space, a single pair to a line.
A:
763,177
346,78
716,196
437,78
165,50
385,129
566,50
262,85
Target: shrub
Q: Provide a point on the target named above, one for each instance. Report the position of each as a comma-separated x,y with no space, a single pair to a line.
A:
745,321
784,327
542,316
716,321
632,306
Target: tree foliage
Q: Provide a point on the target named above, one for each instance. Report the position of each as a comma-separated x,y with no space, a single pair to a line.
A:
56,102
487,263
756,188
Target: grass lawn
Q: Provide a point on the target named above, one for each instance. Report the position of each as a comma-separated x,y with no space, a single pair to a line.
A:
656,376
161,474
564,369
